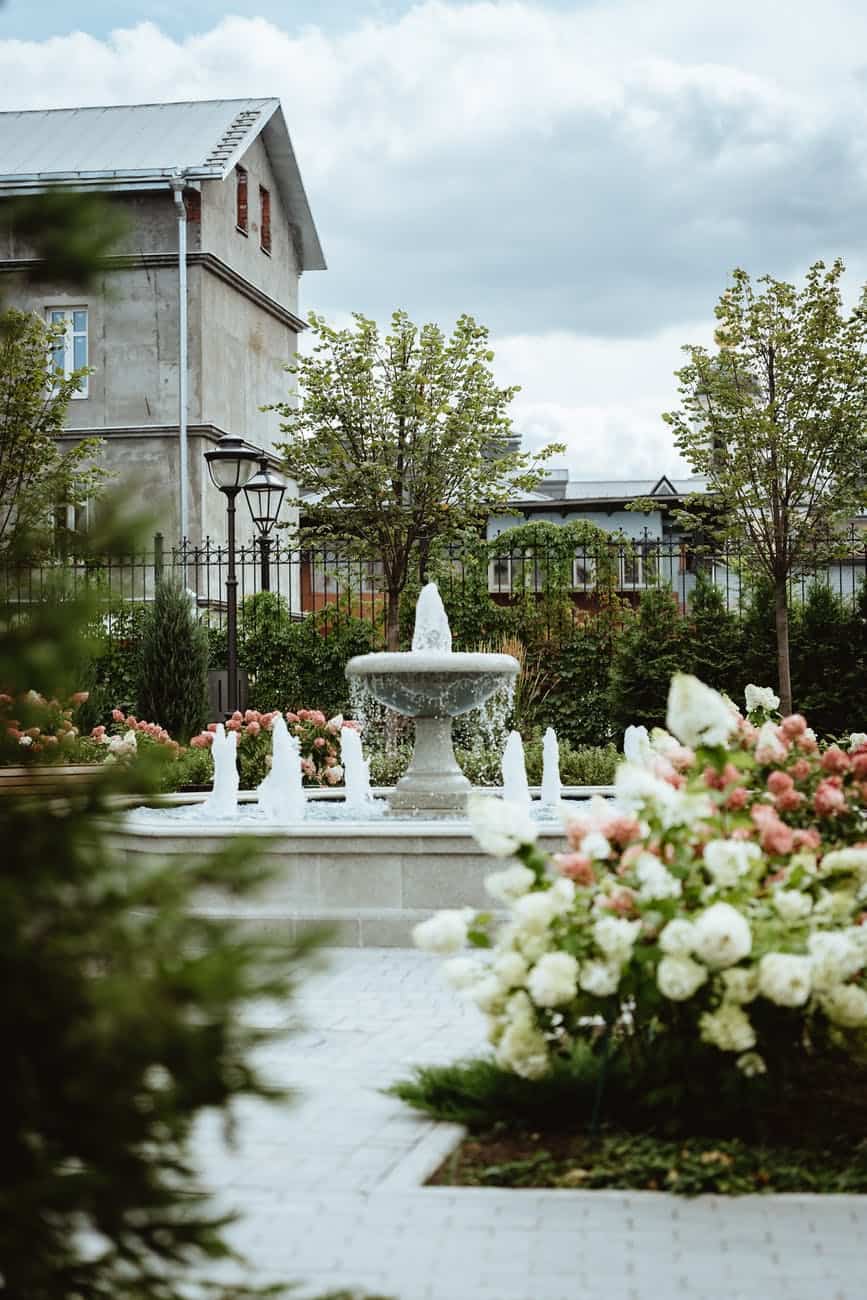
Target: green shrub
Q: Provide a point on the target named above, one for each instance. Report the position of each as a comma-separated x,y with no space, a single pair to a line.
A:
112,675
291,662
652,648
713,639
173,686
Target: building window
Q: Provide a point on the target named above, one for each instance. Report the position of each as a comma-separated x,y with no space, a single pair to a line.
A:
241,205
70,352
265,222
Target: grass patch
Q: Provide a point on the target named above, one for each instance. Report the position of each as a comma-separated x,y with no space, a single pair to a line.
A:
677,1131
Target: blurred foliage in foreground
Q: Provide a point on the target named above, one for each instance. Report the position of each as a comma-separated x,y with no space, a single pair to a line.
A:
123,1017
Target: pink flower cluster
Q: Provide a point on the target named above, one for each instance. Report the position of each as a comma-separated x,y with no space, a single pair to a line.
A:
54,726
318,737
123,722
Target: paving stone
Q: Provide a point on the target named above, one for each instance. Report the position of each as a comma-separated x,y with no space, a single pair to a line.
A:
325,1204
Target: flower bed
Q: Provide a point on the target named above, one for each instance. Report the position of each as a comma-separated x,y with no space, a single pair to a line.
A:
707,934
318,740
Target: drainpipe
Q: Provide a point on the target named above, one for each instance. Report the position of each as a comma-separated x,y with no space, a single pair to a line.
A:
177,184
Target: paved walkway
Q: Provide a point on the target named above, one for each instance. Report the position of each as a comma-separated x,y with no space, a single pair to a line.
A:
331,1197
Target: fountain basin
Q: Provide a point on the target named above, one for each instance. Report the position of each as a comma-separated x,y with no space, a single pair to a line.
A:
432,687
370,880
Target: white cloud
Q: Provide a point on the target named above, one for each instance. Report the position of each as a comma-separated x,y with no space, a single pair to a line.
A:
582,179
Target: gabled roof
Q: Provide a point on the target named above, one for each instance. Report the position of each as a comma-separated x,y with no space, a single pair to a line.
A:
141,146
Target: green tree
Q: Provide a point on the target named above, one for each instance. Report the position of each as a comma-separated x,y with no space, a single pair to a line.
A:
37,472
714,636
173,663
776,420
653,647
825,669
401,439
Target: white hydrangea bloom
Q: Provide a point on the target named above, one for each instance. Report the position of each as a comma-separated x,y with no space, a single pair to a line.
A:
562,894
506,886
678,938
615,937
655,881
679,977
729,1029
488,993
599,978
740,984
857,739
722,936
751,1065
522,1047
535,912
785,978
791,905
463,972
444,933
553,981
662,742
595,845
835,956
510,969
769,747
851,859
846,1005
500,828
696,714
761,697
728,861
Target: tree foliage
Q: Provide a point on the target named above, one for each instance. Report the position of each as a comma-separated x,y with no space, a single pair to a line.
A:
124,1017
402,437
776,420
652,648
37,472
173,673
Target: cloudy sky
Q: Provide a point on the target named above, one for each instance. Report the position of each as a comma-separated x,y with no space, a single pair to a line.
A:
580,175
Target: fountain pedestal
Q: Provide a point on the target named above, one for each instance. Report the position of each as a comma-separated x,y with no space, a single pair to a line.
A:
433,782
432,685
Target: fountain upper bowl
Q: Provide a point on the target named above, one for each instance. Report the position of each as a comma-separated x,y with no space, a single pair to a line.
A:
432,684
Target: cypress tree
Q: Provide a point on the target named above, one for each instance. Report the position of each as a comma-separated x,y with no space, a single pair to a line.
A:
651,649
173,684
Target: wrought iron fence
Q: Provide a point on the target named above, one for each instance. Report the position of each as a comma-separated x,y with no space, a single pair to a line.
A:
315,580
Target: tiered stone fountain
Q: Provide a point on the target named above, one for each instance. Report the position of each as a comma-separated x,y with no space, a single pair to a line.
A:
369,869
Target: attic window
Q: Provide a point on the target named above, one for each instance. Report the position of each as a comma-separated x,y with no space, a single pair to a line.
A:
241,206
265,222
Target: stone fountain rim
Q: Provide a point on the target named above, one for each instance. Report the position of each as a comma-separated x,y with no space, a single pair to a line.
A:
430,661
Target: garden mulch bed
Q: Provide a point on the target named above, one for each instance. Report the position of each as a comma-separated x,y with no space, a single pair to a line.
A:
504,1157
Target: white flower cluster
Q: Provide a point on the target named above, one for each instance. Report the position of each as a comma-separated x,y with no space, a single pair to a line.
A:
682,911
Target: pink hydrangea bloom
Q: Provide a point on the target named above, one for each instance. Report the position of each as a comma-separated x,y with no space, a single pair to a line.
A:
793,726
829,798
577,866
834,760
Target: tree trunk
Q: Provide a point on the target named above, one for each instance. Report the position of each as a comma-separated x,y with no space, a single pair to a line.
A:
392,620
781,613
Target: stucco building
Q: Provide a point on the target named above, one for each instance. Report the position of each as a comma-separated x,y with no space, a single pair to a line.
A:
220,177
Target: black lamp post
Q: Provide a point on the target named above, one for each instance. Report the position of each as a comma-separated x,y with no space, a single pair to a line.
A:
230,465
265,492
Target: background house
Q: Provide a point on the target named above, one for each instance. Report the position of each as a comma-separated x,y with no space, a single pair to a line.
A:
223,174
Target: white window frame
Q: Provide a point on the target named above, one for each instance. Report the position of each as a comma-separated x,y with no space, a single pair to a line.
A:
67,318
583,572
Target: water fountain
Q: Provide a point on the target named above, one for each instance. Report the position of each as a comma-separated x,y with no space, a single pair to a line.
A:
516,788
433,685
551,792
341,862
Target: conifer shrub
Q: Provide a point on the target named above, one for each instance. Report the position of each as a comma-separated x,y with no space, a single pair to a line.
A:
173,663
714,638
651,650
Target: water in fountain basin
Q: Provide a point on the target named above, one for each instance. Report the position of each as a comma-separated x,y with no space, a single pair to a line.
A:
356,770
432,631
551,785
281,793
515,786
222,802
